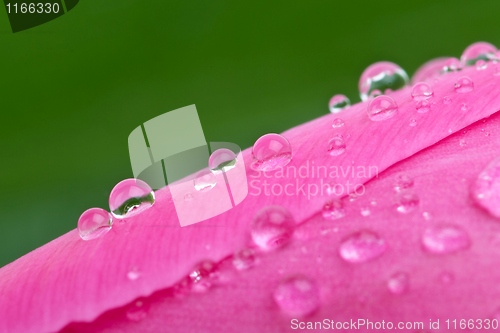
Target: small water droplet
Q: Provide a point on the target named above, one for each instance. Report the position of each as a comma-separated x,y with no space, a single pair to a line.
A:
222,160
421,91
204,181
336,146
362,246
94,223
462,143
478,51
447,277
407,202
271,151
188,197
382,108
244,259
464,84
333,210
373,203
137,311
381,77
443,239
486,188
297,296
481,65
398,283
133,274
451,65
337,122
272,227
450,130
365,211
403,183
446,100
413,122
338,103
423,106
130,197
427,216
464,107
203,276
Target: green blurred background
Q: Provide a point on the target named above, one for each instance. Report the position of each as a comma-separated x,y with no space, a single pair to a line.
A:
74,88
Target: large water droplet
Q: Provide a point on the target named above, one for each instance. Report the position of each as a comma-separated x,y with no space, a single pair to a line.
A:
464,84
478,51
137,311
444,239
381,77
204,181
382,108
336,145
398,282
222,160
337,122
130,197
333,210
272,227
407,202
297,296
244,259
203,276
421,91
362,246
94,223
271,151
486,188
338,103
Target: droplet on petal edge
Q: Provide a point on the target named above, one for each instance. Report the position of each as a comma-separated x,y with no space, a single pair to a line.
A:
94,223
478,51
222,160
444,239
271,151
130,197
338,103
297,296
272,227
486,188
421,91
381,77
381,108
362,246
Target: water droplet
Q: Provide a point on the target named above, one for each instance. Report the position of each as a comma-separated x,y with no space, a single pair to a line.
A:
427,216
244,259
464,107
365,211
403,182
462,143
94,223
338,103
203,276
336,146
481,65
271,151
423,106
398,283
381,77
137,311
337,122
447,277
130,197
486,188
444,239
407,202
464,84
297,296
362,246
421,91
446,100
413,122
222,160
133,274
382,108
204,181
451,65
478,51
333,210
272,227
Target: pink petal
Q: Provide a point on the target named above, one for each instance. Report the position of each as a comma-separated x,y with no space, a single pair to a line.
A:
41,289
